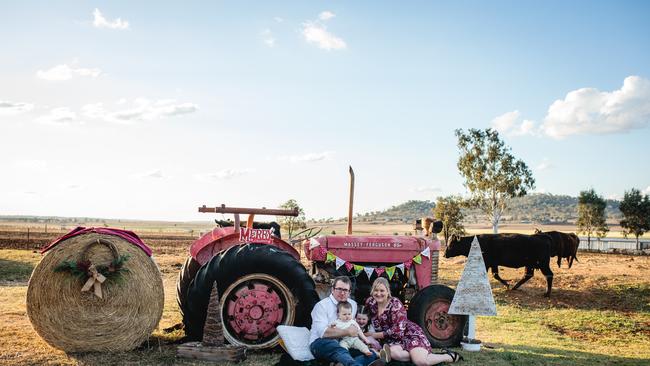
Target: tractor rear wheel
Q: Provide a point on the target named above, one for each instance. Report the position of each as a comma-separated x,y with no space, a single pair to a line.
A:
185,277
260,287
428,309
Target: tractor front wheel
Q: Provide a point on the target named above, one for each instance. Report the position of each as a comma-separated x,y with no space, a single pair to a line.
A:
260,287
428,309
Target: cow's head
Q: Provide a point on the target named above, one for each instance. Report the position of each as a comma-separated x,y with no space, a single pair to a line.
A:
457,246
571,249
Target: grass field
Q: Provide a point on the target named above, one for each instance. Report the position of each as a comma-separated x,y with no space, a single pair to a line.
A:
599,313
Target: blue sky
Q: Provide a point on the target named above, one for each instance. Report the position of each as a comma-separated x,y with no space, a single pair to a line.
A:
147,110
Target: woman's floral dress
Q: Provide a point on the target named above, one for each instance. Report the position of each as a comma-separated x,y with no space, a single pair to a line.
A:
397,328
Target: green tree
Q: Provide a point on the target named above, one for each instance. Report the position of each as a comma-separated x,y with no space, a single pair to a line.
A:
591,215
491,172
290,223
636,211
449,211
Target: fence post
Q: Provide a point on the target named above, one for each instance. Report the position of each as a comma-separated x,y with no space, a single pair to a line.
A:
28,236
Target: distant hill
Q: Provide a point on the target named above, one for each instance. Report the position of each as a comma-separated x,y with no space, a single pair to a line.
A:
540,208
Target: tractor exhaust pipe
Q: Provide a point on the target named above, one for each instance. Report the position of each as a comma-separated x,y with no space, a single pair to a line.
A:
351,201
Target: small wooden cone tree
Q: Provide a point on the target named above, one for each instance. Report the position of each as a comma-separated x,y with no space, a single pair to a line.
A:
473,293
213,330
212,347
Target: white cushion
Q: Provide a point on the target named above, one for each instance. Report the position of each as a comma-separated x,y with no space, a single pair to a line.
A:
296,341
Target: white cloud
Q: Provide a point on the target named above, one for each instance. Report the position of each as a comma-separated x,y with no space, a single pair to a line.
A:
544,165
326,15
317,33
278,19
428,189
13,108
154,173
224,174
509,124
267,37
646,191
588,110
141,109
73,186
310,157
64,72
61,116
101,22
33,165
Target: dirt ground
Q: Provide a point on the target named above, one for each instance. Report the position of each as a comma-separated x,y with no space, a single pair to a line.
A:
599,313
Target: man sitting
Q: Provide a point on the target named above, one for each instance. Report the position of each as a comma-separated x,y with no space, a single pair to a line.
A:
324,340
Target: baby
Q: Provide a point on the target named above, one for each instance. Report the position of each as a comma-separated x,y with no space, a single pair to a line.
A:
363,319
344,312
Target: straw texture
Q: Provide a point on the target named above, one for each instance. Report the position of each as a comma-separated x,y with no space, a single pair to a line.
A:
76,321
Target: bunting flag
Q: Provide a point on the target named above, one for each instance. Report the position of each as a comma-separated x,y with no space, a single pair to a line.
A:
400,267
330,257
357,269
368,271
418,259
380,270
313,243
349,266
390,271
339,262
427,253
408,263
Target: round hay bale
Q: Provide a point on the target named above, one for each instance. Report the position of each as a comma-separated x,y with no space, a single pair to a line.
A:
76,321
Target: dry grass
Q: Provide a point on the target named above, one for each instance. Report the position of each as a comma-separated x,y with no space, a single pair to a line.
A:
599,313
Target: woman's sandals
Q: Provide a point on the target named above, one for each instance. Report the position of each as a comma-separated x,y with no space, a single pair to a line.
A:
455,356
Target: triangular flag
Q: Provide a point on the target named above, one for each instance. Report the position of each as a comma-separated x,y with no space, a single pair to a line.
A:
417,259
400,267
339,262
427,253
408,263
390,271
358,269
380,270
349,266
330,257
313,243
368,271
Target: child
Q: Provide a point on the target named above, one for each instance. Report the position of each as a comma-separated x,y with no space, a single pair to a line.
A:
344,312
363,319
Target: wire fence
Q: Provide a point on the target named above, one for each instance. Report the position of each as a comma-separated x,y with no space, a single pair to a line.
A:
608,245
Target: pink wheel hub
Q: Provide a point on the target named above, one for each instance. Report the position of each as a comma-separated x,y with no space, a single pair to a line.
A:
253,310
439,323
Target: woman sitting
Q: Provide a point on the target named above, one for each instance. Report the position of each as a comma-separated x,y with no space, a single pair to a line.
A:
403,340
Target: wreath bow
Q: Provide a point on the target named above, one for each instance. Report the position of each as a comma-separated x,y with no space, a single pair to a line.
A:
95,280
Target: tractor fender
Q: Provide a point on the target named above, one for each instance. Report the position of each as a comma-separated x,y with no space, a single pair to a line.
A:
222,238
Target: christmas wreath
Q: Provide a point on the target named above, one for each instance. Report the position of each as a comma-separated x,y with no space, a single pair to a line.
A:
94,275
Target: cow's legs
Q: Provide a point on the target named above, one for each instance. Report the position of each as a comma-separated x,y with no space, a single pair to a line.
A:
495,274
527,276
546,270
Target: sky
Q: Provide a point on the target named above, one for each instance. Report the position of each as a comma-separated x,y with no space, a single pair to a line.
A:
150,109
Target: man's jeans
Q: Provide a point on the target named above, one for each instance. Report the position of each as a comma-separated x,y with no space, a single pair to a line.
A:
329,349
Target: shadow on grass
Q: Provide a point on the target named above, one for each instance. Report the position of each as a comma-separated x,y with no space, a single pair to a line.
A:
627,298
505,354
15,270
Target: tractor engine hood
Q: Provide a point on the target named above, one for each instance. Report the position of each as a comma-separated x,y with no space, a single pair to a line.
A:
369,249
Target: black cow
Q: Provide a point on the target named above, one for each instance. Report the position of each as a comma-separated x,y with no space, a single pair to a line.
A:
564,246
509,250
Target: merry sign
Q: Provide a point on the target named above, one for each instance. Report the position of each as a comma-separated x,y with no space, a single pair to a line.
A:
256,235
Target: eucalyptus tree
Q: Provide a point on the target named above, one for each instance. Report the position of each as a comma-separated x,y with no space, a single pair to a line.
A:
492,174
591,215
449,211
636,211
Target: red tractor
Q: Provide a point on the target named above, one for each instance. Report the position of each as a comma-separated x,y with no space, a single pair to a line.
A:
264,281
